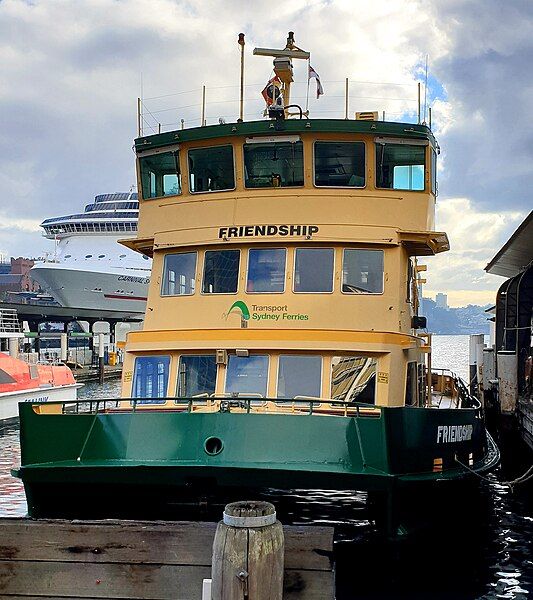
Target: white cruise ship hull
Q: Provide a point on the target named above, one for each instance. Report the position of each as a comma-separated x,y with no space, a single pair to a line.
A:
79,287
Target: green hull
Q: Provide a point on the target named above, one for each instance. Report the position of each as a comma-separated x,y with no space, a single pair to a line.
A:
140,463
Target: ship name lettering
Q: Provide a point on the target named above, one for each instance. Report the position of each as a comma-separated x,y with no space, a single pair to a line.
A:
447,434
267,230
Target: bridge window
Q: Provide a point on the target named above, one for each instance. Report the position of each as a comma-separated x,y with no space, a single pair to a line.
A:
247,375
400,166
313,271
221,272
362,271
196,375
150,379
160,175
266,271
273,164
340,164
211,169
179,274
299,376
353,378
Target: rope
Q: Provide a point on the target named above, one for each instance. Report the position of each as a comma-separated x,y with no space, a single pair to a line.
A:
522,479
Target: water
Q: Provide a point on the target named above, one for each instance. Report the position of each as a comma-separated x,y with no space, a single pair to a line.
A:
480,547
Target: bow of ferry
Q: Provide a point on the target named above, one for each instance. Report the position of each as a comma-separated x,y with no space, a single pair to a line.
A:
281,345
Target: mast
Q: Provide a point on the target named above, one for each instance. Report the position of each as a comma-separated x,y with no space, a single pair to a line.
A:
283,65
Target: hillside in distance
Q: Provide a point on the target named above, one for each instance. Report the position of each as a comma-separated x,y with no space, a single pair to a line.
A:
455,321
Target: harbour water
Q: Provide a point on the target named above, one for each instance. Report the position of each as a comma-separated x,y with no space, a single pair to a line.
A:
480,546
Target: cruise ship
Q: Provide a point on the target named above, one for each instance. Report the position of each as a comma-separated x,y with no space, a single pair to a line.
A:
88,268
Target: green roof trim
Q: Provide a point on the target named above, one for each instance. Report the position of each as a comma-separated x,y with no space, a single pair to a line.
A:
268,127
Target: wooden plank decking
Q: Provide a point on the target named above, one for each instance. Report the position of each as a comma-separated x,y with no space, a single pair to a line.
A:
144,560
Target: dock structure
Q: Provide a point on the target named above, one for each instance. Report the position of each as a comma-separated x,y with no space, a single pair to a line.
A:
132,559
506,380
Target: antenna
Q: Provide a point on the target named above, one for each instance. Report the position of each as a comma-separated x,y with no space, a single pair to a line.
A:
426,90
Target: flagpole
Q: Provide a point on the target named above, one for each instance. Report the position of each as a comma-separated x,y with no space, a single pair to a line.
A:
307,95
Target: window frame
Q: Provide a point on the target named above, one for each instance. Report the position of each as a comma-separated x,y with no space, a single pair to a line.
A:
295,249
256,399
196,354
269,140
248,270
176,150
321,384
239,250
383,274
383,141
160,400
195,252
342,187
234,169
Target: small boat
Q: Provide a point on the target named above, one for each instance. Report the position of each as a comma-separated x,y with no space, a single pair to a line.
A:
22,381
282,345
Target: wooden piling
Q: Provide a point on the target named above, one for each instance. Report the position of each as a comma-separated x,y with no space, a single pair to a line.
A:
248,553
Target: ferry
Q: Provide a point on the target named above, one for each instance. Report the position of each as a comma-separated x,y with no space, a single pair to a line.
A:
282,345
88,268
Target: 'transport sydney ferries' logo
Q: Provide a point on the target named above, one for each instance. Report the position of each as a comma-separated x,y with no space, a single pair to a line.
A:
263,312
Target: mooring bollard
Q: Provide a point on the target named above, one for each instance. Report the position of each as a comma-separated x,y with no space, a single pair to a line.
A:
248,553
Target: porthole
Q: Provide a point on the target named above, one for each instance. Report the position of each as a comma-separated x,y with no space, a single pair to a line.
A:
122,256
101,256
213,446
88,256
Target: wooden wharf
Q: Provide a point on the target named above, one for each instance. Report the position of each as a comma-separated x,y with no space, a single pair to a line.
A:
52,559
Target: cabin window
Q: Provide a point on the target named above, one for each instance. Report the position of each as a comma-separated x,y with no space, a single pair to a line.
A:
273,164
179,274
353,379
313,270
299,376
340,164
266,271
211,169
411,396
400,166
433,171
150,379
247,375
362,271
196,375
221,272
160,175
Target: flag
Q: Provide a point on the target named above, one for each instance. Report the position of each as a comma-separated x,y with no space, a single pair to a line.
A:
319,88
271,91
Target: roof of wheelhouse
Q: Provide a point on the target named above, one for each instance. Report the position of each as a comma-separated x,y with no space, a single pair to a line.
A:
208,132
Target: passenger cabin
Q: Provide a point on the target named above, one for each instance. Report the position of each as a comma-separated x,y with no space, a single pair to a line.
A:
283,261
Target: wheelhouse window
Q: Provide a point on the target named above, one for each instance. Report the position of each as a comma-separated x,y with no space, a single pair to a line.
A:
273,164
211,169
400,166
362,271
221,272
266,271
179,274
247,375
196,375
150,379
299,376
340,164
160,175
313,270
353,379
433,171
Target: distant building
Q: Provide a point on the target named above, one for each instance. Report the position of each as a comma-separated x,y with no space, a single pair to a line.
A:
14,276
441,300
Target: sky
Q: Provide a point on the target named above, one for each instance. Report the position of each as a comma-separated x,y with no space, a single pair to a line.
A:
71,72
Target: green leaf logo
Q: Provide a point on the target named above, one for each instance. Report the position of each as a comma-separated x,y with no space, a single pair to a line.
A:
239,305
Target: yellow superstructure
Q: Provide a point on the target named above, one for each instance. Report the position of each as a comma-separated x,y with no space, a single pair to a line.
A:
339,320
